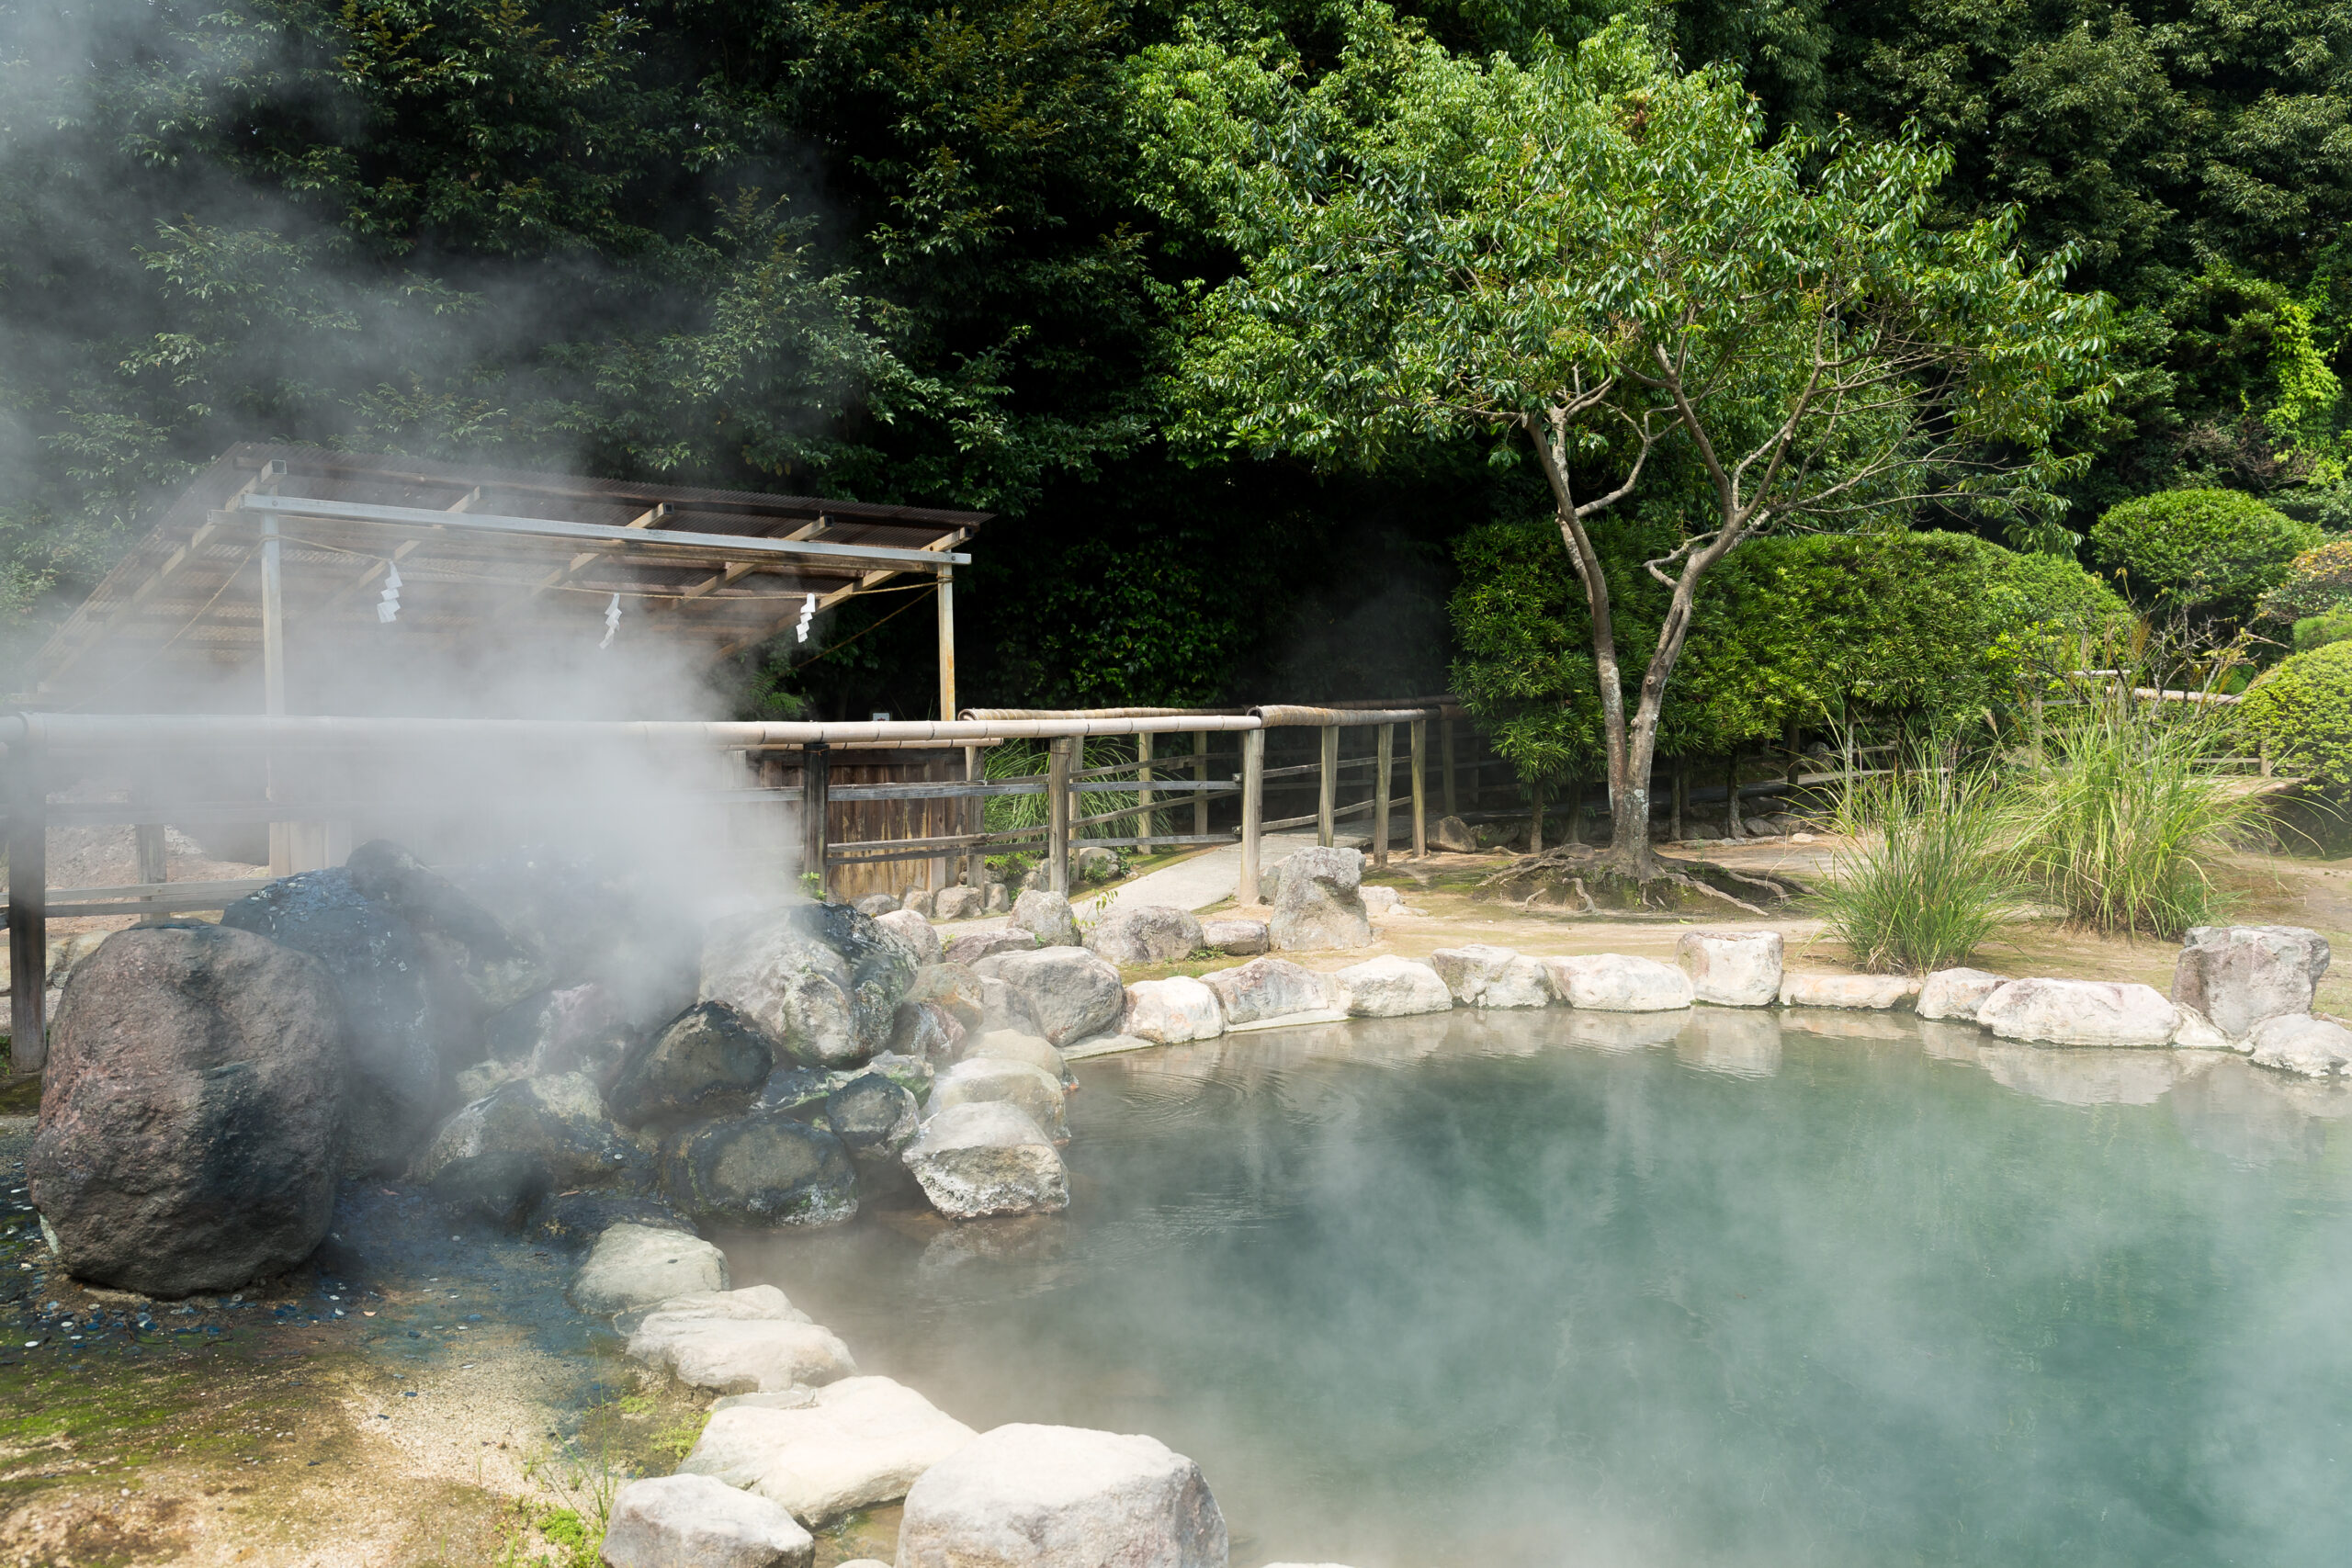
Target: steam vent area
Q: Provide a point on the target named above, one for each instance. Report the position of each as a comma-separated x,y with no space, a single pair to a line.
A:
474,1101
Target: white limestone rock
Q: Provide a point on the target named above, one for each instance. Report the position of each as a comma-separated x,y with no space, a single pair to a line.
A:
752,1304
1046,916
1957,993
2080,1012
634,1265
1319,902
958,904
1482,975
1146,933
692,1521
1031,1497
1732,968
2197,1033
915,933
1070,992
2300,1044
1379,901
2239,976
1036,1092
721,1347
1168,1012
1390,987
1615,981
1873,992
1267,988
1017,1046
987,1158
857,1443
1236,938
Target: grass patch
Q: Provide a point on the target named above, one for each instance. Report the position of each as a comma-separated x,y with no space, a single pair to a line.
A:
1928,876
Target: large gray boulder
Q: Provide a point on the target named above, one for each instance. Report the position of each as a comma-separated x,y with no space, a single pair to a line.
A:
1617,982
736,1342
405,1015
915,931
553,1132
1872,992
1481,974
1319,905
986,1158
1454,835
874,1118
821,980
1030,1497
1068,992
192,1111
857,1443
1146,933
1268,988
1732,968
709,1059
1036,1090
632,1266
692,1521
2298,1042
1236,938
1171,1012
2080,1012
762,1167
977,947
1046,916
954,986
958,903
1390,987
1957,993
499,965
2238,975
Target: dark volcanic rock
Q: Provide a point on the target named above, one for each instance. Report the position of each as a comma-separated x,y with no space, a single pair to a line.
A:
800,1090
590,925
708,1059
927,1032
404,1011
501,968
576,1218
821,980
876,1120
191,1118
761,1169
557,1125
498,1188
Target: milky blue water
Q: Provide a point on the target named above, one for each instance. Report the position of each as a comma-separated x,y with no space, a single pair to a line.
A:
1563,1289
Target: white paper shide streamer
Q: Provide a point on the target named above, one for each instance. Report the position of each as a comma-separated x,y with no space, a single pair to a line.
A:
612,621
808,614
387,607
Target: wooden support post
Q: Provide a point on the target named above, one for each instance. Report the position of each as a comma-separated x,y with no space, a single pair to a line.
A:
1681,799
1445,761
27,908
1383,765
947,644
1058,752
1201,775
1421,792
1326,797
1254,812
1535,819
974,816
283,836
815,840
1731,795
1575,811
152,861
1142,789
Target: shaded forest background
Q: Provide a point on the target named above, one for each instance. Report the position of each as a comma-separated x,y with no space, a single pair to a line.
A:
895,251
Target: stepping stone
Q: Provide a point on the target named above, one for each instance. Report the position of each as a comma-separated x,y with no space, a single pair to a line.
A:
860,1442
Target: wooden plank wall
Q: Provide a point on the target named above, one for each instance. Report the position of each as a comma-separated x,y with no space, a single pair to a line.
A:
866,821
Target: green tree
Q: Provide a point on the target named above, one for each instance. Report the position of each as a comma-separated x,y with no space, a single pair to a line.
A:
1602,254
2209,554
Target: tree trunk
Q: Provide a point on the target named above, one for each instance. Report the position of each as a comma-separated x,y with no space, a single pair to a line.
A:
1731,795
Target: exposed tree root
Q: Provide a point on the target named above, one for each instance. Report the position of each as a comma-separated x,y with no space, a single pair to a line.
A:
1578,879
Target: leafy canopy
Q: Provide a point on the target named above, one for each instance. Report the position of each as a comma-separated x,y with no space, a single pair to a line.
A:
1597,249
2205,552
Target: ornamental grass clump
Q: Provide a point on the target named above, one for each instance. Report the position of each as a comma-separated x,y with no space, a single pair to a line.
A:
2124,823
1928,876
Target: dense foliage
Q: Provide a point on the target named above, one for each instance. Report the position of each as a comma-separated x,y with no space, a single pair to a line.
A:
900,250
2300,711
1922,629
2210,554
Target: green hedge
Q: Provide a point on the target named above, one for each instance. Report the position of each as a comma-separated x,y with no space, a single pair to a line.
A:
2300,711
2212,553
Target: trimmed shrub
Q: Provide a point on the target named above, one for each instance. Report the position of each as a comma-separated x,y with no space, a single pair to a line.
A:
2213,553
2318,631
2317,583
2301,712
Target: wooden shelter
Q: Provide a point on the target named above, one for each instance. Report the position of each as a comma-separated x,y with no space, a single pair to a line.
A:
268,577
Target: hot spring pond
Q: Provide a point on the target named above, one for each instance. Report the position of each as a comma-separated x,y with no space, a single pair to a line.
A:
1566,1288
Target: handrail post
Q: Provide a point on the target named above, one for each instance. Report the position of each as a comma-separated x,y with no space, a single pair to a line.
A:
1327,798
1201,776
28,906
1143,790
1057,772
1445,759
814,844
1254,812
1383,763
1421,737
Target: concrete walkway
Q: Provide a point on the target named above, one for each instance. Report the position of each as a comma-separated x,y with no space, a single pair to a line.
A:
1207,878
